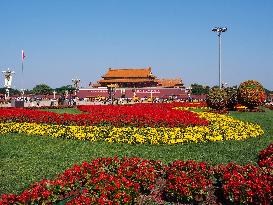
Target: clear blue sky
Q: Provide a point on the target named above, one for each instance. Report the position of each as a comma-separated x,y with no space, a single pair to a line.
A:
64,39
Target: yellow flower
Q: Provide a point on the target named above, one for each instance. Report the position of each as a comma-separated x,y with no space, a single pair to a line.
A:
220,128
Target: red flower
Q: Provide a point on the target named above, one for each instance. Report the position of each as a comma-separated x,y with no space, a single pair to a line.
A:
137,115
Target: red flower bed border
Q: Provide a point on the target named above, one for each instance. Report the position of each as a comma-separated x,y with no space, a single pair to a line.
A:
247,184
265,158
123,181
140,115
188,181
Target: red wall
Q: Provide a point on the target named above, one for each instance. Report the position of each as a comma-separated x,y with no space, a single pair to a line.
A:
139,92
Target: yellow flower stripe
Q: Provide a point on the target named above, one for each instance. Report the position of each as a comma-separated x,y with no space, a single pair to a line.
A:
230,128
221,128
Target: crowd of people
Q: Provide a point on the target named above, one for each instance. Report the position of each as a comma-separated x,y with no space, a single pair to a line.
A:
35,101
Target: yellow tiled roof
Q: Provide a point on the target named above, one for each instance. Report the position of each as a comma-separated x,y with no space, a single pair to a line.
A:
129,73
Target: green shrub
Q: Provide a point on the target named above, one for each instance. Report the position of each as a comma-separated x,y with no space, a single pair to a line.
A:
217,98
232,98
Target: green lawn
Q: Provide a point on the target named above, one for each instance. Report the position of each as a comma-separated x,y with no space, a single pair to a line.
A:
265,119
65,110
26,159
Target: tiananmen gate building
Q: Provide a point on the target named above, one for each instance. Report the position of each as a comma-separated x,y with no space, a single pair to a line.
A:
132,82
129,78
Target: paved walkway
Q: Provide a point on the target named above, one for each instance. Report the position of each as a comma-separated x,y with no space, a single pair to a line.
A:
48,103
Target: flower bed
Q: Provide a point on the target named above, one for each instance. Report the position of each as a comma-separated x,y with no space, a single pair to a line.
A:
188,181
126,180
191,105
103,180
266,158
118,116
246,184
42,123
137,130
240,108
220,128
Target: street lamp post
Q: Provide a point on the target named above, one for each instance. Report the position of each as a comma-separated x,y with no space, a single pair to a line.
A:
69,93
189,93
219,30
111,88
76,84
8,80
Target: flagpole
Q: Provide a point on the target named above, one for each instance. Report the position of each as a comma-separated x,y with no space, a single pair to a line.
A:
22,79
22,73
22,89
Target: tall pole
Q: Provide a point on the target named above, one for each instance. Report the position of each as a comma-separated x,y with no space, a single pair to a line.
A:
220,71
8,80
219,31
22,79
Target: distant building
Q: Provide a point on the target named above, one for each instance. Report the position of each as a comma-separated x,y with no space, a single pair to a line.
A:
128,78
136,78
131,82
170,83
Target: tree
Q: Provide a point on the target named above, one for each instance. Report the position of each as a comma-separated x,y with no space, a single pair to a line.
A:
28,92
197,89
2,90
42,89
61,90
268,91
11,91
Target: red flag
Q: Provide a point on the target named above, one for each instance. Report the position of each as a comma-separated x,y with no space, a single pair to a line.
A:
23,55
